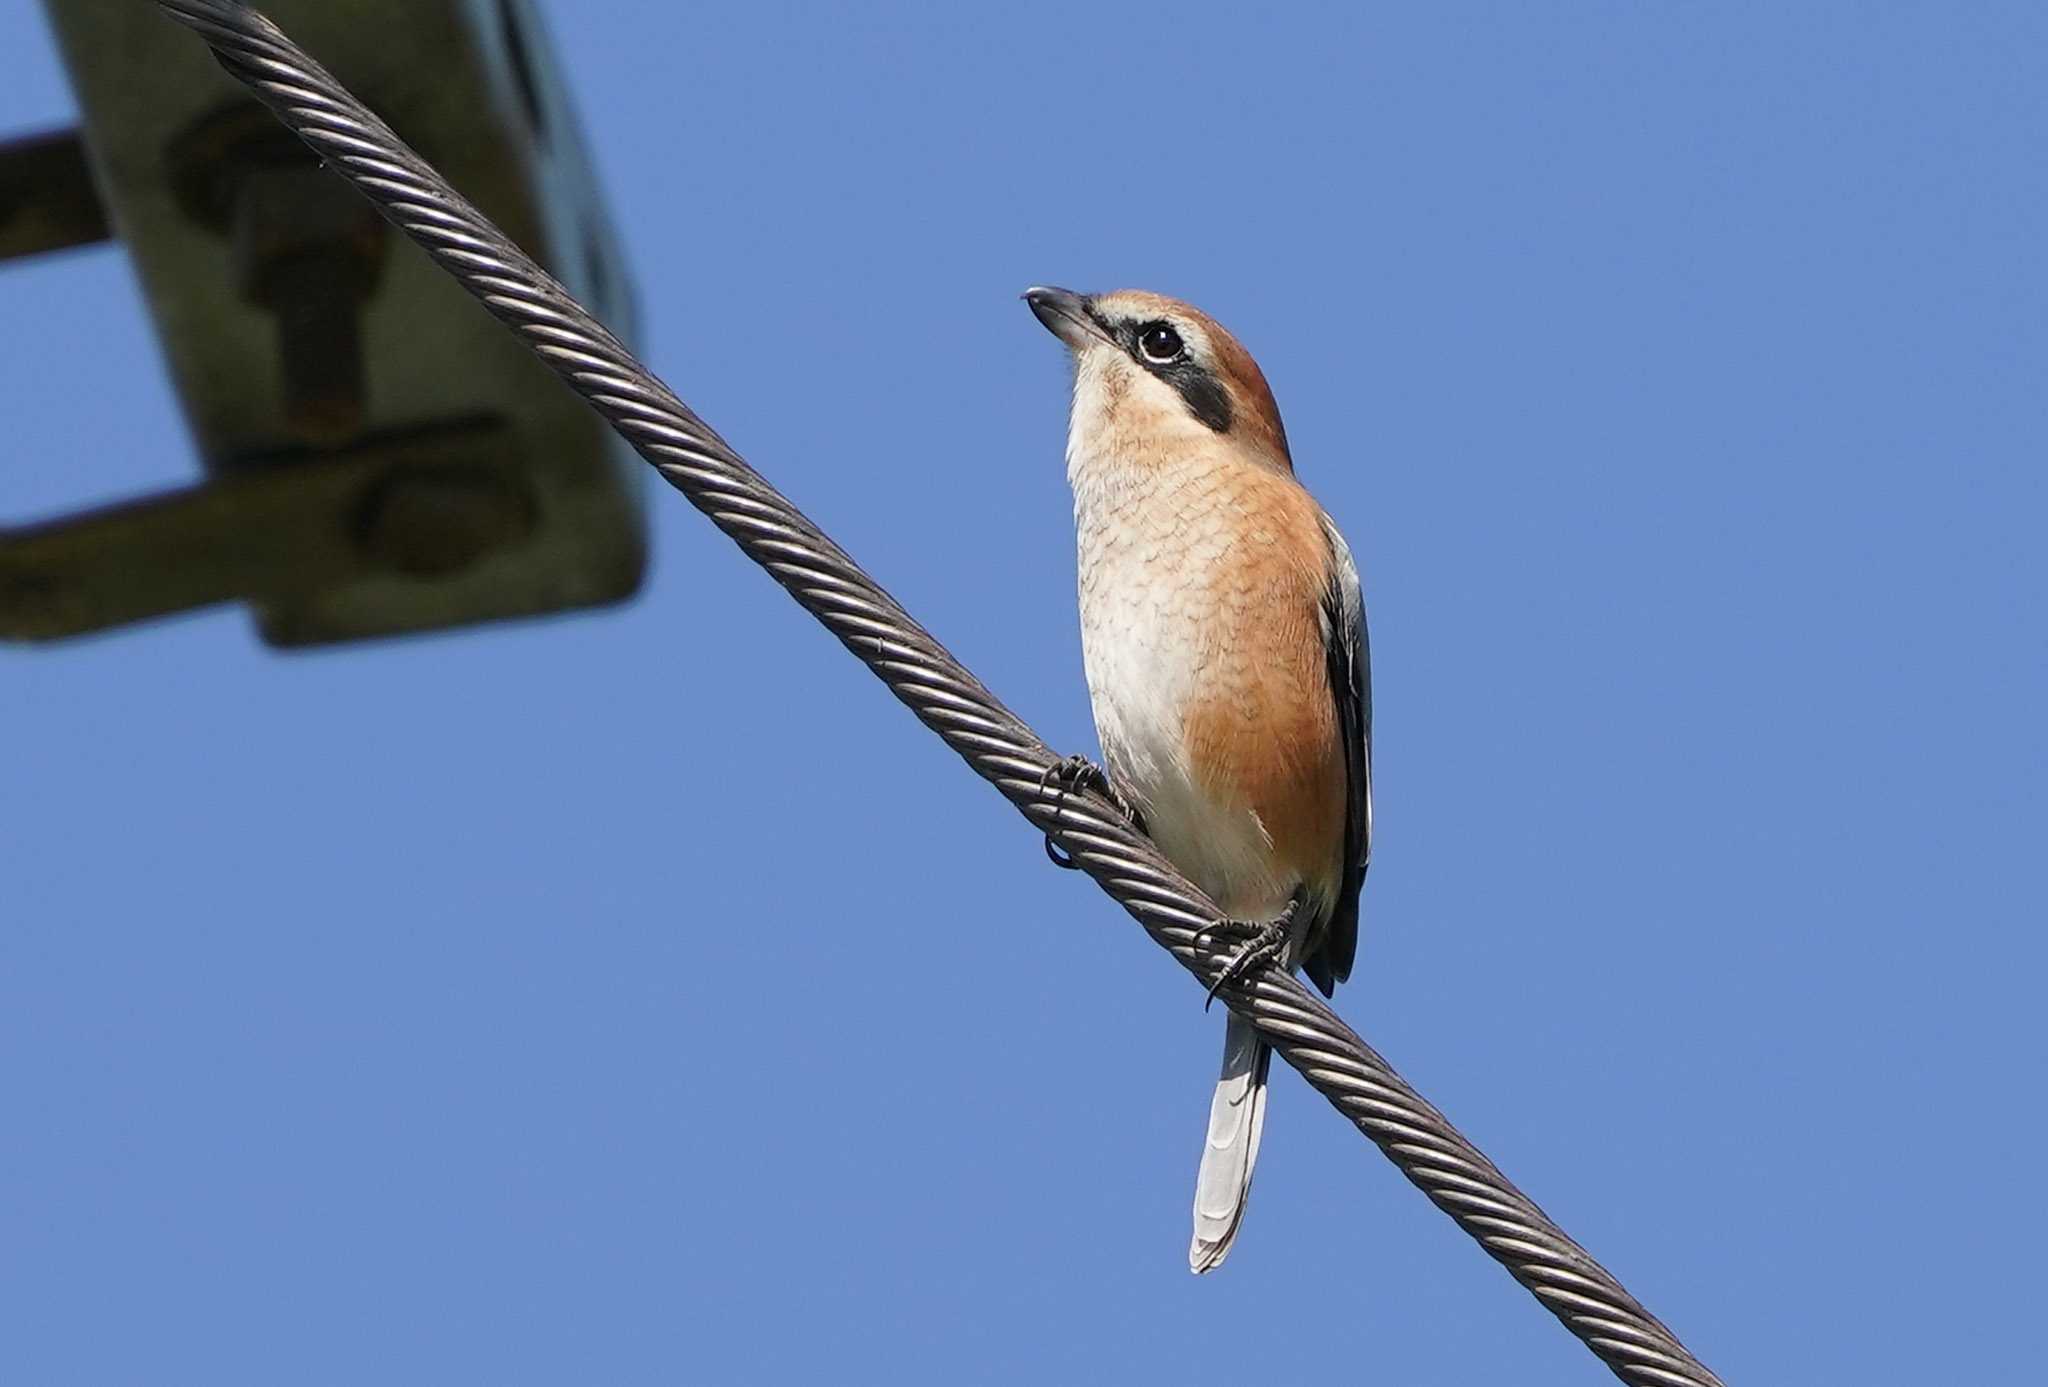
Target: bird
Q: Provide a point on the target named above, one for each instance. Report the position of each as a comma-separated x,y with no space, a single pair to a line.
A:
1223,636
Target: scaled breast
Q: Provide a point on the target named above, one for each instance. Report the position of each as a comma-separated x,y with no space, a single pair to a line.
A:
1161,620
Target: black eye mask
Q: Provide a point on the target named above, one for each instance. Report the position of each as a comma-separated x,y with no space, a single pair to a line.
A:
1198,388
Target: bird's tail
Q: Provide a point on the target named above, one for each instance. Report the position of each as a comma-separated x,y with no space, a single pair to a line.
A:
1237,1115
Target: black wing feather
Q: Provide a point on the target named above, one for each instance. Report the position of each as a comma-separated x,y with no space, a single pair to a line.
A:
1350,672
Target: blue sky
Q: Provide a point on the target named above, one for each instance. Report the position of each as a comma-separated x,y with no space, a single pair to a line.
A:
645,997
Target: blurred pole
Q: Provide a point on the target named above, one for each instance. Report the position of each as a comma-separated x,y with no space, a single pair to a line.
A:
47,198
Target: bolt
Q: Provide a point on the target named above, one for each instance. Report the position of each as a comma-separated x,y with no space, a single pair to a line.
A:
303,246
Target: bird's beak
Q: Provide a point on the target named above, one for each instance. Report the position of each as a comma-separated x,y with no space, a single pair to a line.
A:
1065,315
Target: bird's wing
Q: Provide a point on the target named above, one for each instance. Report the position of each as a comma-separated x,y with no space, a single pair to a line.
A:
1344,642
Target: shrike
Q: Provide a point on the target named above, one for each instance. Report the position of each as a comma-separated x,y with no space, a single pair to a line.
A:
1224,638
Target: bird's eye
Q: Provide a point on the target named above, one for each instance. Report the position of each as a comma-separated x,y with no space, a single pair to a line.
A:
1159,342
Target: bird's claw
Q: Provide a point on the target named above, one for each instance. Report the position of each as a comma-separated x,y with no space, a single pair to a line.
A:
1264,944
1071,773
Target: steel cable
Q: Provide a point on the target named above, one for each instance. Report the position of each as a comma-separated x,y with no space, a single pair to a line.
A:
1455,1175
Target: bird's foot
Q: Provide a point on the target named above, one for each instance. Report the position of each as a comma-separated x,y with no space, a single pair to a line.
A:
1071,773
1260,945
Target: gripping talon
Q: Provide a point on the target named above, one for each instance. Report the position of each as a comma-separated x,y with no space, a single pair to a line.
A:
1061,779
1265,945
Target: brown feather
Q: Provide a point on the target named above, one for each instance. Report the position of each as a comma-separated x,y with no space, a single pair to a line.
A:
1265,735
1256,414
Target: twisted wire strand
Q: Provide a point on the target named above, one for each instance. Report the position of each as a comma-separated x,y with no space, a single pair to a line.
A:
1428,1150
